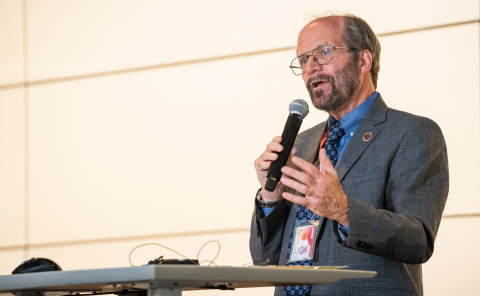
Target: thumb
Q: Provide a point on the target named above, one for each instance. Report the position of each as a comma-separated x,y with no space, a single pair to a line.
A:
325,164
292,154
294,151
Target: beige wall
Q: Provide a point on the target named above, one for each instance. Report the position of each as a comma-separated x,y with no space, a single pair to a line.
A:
127,122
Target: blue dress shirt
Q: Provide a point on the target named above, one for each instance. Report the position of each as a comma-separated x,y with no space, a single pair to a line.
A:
349,122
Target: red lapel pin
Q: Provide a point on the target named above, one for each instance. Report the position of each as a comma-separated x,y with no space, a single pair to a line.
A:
367,136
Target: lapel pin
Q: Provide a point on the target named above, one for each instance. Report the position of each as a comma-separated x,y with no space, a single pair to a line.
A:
367,137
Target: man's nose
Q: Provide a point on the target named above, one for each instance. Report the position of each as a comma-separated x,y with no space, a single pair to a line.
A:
312,66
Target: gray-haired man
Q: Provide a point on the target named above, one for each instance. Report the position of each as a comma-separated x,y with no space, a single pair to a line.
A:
375,179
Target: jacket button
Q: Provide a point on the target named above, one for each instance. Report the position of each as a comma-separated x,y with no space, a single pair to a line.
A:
359,244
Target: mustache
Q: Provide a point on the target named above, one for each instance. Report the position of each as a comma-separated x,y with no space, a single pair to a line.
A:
321,76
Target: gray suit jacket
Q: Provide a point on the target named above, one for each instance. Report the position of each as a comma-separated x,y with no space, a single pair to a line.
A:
397,186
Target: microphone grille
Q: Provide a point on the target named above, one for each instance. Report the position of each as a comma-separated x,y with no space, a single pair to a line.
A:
299,107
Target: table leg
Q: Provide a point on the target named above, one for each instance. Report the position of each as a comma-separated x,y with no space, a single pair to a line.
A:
165,292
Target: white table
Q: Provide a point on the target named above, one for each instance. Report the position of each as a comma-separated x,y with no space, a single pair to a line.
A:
166,280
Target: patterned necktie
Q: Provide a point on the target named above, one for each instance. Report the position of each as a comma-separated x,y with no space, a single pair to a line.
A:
335,133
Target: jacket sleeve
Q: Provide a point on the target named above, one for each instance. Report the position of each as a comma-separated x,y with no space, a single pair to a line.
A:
266,234
416,193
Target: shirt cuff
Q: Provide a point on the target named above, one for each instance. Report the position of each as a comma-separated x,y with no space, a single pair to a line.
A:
267,211
343,231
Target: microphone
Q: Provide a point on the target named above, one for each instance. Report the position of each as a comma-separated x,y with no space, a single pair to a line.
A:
298,111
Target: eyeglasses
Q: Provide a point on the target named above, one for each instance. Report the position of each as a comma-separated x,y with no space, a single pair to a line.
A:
321,55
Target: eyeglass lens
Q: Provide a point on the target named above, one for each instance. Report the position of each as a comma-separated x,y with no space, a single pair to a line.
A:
321,55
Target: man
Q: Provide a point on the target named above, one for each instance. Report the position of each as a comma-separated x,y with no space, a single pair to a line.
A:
375,179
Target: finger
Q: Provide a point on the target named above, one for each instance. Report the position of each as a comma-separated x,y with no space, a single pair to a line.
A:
274,147
295,185
264,165
277,139
300,176
325,163
295,198
260,164
307,167
268,156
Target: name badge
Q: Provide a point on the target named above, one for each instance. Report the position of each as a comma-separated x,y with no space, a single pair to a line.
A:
303,244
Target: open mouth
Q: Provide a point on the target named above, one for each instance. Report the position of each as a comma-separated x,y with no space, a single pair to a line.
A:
318,83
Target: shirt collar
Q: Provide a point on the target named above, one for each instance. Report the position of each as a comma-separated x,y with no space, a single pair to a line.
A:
351,121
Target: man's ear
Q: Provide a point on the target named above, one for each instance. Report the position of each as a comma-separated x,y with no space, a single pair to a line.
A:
365,61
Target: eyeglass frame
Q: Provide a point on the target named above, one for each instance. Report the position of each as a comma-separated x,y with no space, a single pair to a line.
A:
332,47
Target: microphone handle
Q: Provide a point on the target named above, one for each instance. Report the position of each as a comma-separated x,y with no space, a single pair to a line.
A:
294,121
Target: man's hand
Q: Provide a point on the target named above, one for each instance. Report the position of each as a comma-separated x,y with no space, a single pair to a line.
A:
263,163
323,193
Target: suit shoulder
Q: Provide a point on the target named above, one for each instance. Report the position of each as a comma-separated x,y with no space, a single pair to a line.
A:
411,121
311,132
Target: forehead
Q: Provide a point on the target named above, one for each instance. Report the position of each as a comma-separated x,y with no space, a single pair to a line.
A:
322,31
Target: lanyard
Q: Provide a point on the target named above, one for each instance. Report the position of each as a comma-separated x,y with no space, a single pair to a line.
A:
322,142
324,138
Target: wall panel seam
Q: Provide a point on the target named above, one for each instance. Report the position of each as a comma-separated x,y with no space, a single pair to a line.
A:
26,132
167,235
471,215
203,60
127,238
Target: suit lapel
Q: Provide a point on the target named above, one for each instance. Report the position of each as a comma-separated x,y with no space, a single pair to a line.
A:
357,145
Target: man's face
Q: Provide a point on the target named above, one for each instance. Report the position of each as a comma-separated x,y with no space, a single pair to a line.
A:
332,84
343,84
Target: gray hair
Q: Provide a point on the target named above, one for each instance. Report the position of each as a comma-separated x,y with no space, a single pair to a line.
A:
359,36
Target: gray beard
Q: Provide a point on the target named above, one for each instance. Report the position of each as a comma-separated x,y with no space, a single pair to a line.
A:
348,80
